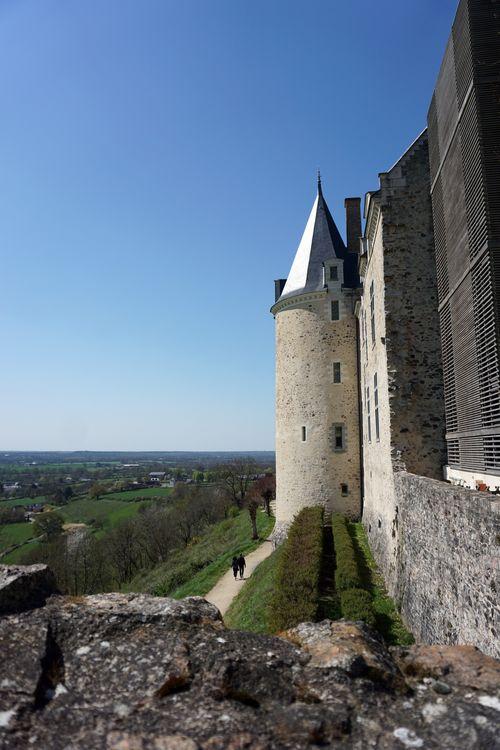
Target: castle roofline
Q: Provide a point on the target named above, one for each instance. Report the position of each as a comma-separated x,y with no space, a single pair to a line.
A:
321,241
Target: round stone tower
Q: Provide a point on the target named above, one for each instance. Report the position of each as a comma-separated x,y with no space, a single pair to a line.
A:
317,397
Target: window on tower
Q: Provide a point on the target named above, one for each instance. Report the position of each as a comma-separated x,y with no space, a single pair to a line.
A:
334,273
337,375
372,311
338,437
375,397
344,488
304,434
335,309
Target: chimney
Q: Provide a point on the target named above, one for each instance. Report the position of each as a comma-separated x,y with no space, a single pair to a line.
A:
278,288
353,223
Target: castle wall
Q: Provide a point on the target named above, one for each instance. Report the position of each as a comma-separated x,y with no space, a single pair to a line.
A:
312,472
447,563
406,355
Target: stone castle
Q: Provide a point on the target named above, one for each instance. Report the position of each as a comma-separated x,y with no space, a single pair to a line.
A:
387,357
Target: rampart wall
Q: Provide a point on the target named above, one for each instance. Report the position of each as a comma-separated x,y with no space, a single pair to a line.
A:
447,563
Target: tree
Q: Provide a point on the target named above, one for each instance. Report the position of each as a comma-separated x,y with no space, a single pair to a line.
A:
48,524
236,476
265,488
68,493
97,490
253,506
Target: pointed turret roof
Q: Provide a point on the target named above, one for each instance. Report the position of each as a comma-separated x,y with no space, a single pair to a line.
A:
320,242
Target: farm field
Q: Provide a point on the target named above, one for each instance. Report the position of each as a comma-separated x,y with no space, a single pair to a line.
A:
14,533
108,511
149,492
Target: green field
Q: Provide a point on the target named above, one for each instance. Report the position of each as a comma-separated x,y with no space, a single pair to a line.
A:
17,556
149,492
194,570
21,501
109,512
14,533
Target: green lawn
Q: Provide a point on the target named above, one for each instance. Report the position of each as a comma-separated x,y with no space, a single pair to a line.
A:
250,609
149,492
194,570
387,618
14,533
108,511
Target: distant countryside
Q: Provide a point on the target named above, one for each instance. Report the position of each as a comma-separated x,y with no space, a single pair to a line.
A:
105,521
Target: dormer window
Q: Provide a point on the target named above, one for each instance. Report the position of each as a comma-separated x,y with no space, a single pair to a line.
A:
334,273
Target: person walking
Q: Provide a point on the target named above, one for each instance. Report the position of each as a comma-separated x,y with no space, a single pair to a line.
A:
235,566
241,565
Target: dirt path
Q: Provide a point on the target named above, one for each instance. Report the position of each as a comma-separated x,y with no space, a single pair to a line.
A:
227,588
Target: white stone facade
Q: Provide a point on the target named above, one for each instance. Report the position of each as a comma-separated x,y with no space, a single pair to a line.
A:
310,405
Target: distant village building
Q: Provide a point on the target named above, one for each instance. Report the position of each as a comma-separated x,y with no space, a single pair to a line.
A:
157,476
10,487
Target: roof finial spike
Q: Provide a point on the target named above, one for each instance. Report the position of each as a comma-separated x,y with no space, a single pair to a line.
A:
319,182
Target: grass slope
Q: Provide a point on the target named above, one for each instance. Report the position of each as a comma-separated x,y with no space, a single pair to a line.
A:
250,609
387,619
21,501
194,570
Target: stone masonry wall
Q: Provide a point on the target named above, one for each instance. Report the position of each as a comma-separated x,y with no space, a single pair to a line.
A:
447,578
406,355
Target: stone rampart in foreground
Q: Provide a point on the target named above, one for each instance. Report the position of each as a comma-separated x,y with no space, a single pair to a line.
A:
134,672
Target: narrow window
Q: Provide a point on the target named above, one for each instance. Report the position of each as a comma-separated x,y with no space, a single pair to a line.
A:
372,311
334,273
304,434
335,310
369,423
365,335
336,372
375,398
344,488
338,437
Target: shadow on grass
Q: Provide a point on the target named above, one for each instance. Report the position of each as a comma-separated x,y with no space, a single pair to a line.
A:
329,602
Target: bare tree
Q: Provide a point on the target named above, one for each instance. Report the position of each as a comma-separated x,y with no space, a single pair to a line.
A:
265,489
236,476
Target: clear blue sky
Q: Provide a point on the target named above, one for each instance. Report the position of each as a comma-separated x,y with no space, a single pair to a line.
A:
157,166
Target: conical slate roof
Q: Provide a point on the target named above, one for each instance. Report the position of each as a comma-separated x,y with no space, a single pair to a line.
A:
320,242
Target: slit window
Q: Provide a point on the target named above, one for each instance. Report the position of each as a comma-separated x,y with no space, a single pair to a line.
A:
372,311
337,375
375,398
344,488
368,419
304,434
335,310
338,437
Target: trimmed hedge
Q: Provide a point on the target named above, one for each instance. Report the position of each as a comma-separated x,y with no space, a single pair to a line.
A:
347,571
296,594
356,604
355,601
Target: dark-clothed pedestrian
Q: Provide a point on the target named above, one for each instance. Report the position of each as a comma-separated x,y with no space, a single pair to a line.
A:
235,566
241,565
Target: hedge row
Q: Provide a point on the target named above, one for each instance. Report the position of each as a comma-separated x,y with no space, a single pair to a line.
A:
295,598
347,571
355,602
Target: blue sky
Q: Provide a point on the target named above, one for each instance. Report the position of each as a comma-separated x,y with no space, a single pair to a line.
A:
157,166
